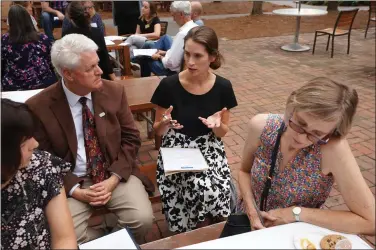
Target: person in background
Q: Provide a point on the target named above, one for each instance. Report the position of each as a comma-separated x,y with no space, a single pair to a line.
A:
193,112
87,121
148,26
28,5
95,18
50,10
34,208
81,25
126,15
169,62
310,151
25,54
196,13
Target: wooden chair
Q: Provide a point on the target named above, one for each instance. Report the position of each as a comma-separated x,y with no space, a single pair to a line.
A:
372,9
164,26
342,27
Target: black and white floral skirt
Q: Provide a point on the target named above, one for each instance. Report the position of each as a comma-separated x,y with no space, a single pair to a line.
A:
188,198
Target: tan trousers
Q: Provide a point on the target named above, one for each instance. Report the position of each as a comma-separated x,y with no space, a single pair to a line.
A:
129,202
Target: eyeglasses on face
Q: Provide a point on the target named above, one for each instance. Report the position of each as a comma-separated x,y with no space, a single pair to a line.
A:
88,7
313,138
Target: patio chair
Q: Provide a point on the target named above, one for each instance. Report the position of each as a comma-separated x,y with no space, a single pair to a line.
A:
372,9
164,26
342,27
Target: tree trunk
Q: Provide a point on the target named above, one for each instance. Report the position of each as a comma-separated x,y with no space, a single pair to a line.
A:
332,6
257,8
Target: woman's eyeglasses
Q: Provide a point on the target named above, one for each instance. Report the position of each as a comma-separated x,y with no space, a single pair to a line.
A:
311,137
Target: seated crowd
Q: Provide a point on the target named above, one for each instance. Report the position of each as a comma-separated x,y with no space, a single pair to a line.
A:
72,148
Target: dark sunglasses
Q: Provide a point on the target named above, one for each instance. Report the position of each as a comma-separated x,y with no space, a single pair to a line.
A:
311,137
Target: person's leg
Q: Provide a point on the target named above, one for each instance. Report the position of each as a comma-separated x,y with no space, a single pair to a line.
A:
130,202
164,43
145,65
47,20
81,213
149,45
158,68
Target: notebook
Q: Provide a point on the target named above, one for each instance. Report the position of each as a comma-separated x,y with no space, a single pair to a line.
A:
144,52
121,239
177,160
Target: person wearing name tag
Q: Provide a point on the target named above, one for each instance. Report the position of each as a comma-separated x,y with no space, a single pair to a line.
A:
290,163
87,121
193,111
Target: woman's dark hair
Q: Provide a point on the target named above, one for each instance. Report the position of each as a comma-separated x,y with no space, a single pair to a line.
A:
21,28
76,13
17,125
153,11
208,38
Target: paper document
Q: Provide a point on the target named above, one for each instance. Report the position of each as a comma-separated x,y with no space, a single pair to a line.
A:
109,42
118,240
177,160
115,38
144,52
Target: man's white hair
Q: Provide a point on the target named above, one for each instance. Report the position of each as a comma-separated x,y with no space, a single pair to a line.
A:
181,6
66,52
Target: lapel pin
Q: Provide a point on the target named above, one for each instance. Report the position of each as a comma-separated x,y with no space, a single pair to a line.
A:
102,114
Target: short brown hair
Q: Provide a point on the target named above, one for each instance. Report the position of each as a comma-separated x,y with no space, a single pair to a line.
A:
327,100
207,37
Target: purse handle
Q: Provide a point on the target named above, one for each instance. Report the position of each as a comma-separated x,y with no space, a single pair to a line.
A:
268,184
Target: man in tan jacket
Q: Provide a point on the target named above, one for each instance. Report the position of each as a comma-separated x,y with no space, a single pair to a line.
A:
87,121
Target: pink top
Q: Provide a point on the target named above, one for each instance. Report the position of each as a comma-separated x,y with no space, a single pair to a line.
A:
301,183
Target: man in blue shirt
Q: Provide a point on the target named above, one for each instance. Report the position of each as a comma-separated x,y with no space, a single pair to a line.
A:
196,11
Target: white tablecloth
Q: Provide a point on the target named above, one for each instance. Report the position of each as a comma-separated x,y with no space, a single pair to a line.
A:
279,237
20,96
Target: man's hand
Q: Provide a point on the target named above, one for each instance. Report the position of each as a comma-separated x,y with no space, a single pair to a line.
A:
94,198
156,56
98,194
60,15
106,186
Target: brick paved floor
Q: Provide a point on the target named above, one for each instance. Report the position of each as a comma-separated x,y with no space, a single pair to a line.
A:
263,76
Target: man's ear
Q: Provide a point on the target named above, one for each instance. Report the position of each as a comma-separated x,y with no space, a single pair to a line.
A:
67,74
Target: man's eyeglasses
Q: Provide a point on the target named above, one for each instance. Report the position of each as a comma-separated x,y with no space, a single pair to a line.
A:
311,137
88,7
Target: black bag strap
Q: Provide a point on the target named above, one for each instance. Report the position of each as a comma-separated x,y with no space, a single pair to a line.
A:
268,184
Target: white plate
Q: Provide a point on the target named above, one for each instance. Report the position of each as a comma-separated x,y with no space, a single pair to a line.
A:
313,237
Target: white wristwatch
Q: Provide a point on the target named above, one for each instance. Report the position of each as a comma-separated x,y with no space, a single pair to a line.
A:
296,212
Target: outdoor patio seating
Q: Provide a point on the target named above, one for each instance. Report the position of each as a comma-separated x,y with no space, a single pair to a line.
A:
372,10
342,27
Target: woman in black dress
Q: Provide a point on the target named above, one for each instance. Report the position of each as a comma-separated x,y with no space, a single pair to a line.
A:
81,25
193,112
34,208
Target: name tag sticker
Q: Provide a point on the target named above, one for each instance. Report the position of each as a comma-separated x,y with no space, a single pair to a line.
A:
94,25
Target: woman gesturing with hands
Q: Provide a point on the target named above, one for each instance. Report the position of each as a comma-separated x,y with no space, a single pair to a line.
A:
165,121
193,112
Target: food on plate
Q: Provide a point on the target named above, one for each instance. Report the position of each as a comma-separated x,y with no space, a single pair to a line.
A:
306,244
343,244
330,241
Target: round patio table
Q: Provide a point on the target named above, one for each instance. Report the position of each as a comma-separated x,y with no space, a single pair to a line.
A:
295,46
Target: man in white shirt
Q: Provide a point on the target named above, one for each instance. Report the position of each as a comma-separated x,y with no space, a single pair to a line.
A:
169,62
87,121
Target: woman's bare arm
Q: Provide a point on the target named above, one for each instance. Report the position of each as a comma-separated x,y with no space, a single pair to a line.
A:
60,222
